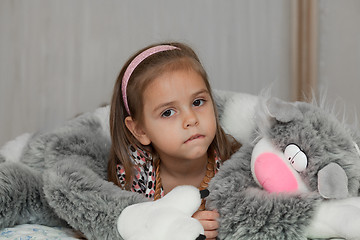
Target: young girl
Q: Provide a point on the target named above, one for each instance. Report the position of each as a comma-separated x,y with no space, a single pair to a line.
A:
164,126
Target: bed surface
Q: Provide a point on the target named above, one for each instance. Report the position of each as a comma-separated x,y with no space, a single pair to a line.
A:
35,231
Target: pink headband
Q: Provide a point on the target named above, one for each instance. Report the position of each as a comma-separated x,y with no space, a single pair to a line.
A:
134,63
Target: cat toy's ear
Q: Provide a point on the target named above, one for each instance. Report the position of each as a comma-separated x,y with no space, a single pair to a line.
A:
333,181
271,110
283,111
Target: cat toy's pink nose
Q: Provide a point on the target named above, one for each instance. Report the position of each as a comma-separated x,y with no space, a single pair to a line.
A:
273,174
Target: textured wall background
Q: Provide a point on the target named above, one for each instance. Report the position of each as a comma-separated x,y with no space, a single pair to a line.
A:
61,57
339,55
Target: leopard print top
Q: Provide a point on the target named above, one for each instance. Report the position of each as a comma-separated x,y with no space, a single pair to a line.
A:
144,180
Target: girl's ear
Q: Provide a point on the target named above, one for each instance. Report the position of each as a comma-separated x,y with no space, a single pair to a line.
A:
137,131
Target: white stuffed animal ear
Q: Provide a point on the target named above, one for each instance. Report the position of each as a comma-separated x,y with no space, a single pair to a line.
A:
237,115
166,218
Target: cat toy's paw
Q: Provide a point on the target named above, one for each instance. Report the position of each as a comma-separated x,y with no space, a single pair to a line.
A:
166,218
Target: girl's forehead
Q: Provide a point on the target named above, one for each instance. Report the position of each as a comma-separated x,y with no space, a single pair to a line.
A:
180,81
173,86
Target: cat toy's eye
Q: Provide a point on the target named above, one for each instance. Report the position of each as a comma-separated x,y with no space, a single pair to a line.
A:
290,151
296,157
300,161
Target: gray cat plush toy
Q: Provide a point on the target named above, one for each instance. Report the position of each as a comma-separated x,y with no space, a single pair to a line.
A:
59,179
297,174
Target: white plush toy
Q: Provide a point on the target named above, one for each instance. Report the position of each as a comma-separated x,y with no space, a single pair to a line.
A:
166,218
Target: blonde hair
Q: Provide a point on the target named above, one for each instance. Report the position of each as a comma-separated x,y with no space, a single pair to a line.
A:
183,57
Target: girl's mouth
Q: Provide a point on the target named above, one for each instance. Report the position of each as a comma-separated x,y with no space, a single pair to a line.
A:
196,136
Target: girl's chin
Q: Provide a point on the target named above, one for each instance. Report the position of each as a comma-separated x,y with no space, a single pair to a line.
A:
196,154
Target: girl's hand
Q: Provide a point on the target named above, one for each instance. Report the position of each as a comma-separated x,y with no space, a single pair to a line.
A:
208,220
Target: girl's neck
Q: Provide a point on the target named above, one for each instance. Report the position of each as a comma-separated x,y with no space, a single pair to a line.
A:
182,172
179,168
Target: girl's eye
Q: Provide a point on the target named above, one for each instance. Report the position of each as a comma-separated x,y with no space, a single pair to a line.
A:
198,102
168,113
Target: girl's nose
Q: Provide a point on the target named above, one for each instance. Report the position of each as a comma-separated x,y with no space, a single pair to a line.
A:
190,119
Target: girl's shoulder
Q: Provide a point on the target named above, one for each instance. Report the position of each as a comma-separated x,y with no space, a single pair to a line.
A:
144,173
218,163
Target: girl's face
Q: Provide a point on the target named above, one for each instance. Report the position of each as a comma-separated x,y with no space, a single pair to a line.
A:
179,118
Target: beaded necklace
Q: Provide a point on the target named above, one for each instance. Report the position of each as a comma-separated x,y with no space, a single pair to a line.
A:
210,172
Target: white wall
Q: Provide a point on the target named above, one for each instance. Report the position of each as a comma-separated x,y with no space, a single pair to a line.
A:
339,54
61,57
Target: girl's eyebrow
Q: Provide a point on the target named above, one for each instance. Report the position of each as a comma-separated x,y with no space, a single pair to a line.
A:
163,105
168,104
200,92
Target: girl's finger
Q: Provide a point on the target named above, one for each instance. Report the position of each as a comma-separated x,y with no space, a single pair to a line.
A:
206,215
209,225
211,234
